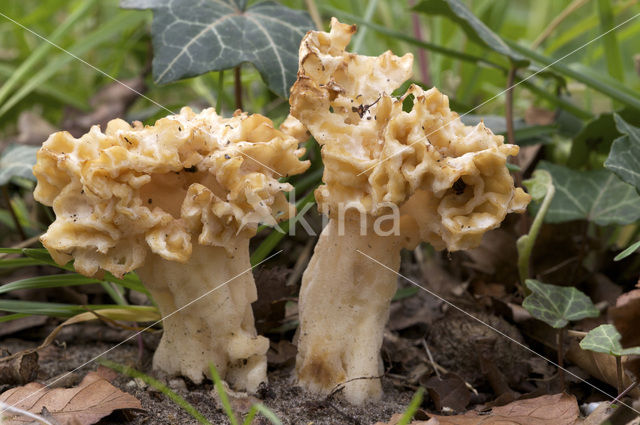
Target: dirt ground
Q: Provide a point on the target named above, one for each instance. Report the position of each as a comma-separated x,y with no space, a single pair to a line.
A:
289,402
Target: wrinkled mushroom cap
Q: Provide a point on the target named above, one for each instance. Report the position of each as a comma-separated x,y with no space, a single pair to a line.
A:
449,179
133,189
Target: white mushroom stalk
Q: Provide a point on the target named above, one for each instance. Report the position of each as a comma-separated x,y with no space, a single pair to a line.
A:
392,179
178,203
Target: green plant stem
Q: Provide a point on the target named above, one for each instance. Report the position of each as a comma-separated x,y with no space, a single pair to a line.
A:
220,89
416,400
619,374
526,242
368,14
237,86
133,373
14,216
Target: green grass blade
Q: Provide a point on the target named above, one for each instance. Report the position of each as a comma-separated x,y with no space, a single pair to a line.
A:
10,263
43,49
626,97
46,89
479,60
177,399
610,40
412,408
10,317
264,411
52,281
628,251
217,382
44,308
580,28
360,35
104,33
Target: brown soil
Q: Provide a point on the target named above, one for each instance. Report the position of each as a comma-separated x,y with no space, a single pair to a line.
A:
289,402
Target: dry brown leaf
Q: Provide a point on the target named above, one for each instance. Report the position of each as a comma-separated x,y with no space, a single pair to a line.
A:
20,370
85,404
557,409
625,316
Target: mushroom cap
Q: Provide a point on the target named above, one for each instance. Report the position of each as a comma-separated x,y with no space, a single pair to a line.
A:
133,189
449,180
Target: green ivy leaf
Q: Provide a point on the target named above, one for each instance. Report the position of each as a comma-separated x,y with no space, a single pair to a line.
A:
17,161
598,196
192,37
539,184
624,157
475,29
606,339
595,138
557,305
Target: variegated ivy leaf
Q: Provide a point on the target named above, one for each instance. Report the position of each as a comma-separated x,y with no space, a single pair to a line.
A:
17,161
624,157
557,305
606,339
598,196
192,37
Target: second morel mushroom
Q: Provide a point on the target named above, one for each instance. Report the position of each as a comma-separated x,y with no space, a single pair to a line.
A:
392,179
177,202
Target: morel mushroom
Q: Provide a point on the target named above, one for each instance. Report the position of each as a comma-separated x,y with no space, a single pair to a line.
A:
392,179
135,198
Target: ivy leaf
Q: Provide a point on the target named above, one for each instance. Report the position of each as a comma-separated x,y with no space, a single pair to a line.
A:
192,37
17,161
606,339
539,184
557,305
598,196
624,157
475,29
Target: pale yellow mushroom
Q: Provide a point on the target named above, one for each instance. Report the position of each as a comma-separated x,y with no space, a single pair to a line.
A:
392,179
177,202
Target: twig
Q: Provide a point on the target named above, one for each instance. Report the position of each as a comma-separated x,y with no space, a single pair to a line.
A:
341,385
576,334
576,4
237,85
301,262
625,392
312,7
14,216
433,363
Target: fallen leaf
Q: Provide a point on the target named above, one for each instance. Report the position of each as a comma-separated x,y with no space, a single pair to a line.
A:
626,316
85,404
557,409
448,391
20,370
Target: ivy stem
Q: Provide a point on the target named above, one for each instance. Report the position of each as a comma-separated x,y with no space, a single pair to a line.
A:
237,85
619,371
14,216
561,333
